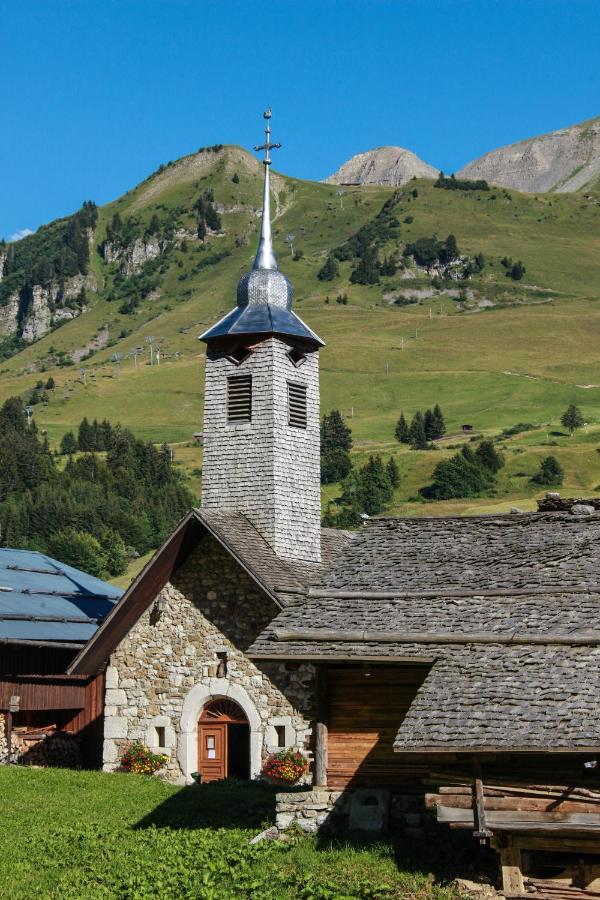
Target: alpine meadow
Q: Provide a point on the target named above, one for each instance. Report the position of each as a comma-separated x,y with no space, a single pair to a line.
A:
483,301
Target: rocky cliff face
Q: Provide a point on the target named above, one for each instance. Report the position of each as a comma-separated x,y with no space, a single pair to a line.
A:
565,160
131,258
385,165
33,312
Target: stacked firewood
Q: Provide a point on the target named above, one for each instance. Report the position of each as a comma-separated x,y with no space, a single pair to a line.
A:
46,747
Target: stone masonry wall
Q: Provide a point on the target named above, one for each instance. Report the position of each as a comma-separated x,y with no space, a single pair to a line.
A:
265,468
212,606
335,812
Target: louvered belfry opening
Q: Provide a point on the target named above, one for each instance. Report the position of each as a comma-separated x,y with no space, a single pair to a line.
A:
297,404
239,398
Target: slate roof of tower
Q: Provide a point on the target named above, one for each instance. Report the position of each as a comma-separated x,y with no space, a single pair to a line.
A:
42,599
261,319
505,609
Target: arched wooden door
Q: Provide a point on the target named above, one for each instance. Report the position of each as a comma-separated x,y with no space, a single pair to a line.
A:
223,741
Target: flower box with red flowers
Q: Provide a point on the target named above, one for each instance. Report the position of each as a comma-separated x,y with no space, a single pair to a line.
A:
285,767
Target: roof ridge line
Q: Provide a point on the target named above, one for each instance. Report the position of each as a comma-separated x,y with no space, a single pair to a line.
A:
316,593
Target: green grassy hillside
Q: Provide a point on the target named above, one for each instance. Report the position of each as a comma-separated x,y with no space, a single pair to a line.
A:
493,354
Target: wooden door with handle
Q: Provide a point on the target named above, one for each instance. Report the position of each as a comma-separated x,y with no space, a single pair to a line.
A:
212,752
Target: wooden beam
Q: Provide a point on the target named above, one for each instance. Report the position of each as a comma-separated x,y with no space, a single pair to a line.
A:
321,727
512,878
591,638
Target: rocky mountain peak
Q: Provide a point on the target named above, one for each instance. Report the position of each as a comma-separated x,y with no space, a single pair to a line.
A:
384,165
562,161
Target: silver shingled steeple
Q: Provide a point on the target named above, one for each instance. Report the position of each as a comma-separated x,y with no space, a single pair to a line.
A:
265,257
264,294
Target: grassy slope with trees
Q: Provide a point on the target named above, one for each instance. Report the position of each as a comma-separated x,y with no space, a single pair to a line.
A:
523,360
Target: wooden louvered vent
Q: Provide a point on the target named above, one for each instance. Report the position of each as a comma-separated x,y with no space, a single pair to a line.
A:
297,404
239,398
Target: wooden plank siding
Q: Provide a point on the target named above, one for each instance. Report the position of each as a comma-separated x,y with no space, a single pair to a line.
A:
365,712
39,692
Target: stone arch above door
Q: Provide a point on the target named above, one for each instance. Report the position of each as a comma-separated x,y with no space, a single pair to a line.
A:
193,704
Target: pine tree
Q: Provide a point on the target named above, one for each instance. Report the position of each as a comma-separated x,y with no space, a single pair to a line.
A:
439,425
335,465
572,418
329,270
85,437
68,444
418,438
393,472
50,384
402,431
335,434
550,472
368,268
489,457
429,425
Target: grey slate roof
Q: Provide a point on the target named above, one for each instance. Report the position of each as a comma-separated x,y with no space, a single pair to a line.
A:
475,552
506,608
42,599
285,578
507,698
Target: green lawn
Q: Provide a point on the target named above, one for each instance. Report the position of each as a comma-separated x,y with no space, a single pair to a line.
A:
79,835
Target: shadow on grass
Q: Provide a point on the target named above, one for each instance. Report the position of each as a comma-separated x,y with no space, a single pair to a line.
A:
221,804
448,856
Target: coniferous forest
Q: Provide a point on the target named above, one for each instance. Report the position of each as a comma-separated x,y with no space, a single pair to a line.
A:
94,512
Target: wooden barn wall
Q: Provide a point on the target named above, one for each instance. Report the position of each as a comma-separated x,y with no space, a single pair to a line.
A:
88,722
364,714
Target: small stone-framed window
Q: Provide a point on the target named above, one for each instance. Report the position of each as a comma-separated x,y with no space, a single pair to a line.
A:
239,398
280,735
297,405
160,735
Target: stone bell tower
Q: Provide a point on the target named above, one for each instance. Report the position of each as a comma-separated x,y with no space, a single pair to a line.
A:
261,407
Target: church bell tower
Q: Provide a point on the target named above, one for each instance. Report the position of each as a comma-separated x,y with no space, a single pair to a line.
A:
261,407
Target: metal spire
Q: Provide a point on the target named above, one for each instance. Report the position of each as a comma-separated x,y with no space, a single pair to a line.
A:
265,257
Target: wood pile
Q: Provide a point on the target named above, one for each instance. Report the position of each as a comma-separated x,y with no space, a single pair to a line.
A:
46,747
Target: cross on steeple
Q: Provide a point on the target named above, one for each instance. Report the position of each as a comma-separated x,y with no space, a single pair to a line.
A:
267,146
265,257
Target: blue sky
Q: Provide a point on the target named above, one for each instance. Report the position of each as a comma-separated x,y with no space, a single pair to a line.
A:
97,93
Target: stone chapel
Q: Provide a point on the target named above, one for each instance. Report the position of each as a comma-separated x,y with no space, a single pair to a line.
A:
415,651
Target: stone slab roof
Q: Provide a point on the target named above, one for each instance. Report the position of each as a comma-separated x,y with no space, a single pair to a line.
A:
475,552
504,608
507,698
283,577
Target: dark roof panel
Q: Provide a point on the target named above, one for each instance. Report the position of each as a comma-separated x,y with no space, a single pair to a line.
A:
263,319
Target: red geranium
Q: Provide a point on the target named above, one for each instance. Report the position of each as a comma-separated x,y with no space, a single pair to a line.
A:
286,766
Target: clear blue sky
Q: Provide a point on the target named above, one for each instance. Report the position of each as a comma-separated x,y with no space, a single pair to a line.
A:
97,93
